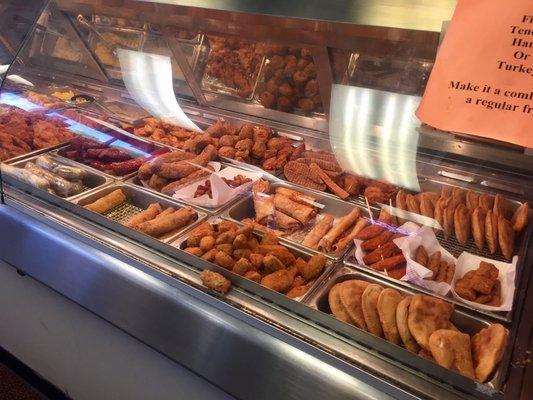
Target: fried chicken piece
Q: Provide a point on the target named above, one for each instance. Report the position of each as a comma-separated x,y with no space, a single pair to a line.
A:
214,280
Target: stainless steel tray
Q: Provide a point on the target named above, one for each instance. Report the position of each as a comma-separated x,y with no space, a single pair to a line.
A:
134,180
254,287
465,322
92,180
336,207
136,201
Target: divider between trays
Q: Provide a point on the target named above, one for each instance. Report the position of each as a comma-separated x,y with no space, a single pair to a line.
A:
342,273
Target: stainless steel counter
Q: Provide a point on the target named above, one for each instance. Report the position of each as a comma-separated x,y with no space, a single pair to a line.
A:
159,302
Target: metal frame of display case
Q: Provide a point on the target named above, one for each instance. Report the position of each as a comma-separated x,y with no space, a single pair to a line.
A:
155,293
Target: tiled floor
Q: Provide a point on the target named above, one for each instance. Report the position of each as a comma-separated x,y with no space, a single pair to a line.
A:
18,382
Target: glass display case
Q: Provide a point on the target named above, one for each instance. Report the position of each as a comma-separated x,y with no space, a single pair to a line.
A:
272,163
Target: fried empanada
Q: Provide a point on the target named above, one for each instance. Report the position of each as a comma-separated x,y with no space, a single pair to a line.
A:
443,269
501,206
413,204
351,293
459,194
505,237
449,213
427,208
421,256
472,200
369,303
491,231
486,202
426,315
402,312
450,273
336,306
520,217
478,226
401,204
461,221
487,350
451,349
387,303
440,207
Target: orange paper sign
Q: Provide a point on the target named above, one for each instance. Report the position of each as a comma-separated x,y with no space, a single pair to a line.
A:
482,80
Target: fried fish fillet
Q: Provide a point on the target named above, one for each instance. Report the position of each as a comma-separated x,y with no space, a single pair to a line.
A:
426,315
351,293
451,349
387,303
505,237
478,226
461,221
369,302
336,306
491,231
402,312
487,350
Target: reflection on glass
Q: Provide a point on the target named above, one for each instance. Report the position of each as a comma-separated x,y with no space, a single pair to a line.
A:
148,79
378,143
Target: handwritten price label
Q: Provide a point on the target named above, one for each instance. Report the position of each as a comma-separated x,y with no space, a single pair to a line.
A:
482,80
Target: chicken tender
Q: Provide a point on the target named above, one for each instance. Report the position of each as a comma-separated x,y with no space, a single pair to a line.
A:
214,280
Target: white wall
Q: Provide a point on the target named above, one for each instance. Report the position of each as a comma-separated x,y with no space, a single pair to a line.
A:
82,354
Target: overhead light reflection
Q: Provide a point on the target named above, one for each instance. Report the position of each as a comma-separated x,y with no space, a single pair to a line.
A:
374,134
148,79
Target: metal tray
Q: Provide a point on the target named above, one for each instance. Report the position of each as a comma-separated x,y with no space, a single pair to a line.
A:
135,181
136,201
254,287
215,85
92,180
466,323
336,207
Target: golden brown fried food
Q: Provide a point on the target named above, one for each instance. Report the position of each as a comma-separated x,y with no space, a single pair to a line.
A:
195,251
426,354
241,253
214,280
390,263
375,242
402,312
486,202
107,202
381,253
280,281
413,205
210,255
506,235
478,226
253,276
333,187
370,232
301,174
501,206
313,267
459,194
336,306
369,303
226,237
242,266
297,291
491,231
271,264
426,315
488,346
450,272
207,243
387,303
443,269
165,223
472,200
421,256
426,207
401,204
449,214
225,248
319,230
240,241
256,260
224,260
440,208
451,349
462,224
351,293
151,212
520,217
434,264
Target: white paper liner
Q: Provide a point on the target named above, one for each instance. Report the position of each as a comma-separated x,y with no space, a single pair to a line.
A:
221,192
468,262
415,273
